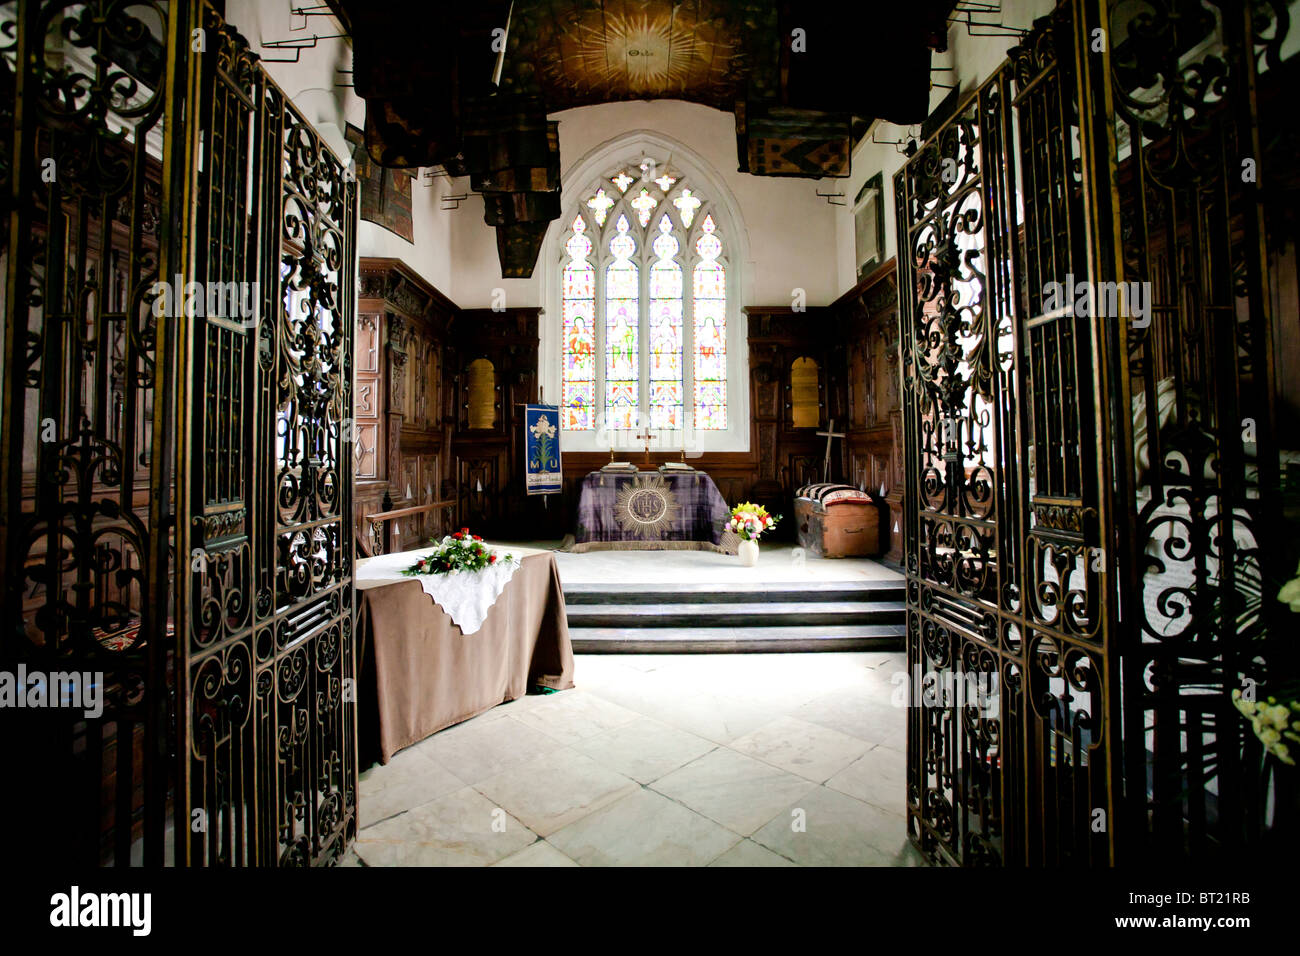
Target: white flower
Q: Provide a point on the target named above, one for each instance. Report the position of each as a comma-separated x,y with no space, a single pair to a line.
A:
1290,593
1279,714
543,427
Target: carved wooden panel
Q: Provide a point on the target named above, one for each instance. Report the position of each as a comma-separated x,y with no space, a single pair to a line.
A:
367,397
494,354
478,481
767,451
867,324
367,458
400,382
790,360
368,343
803,470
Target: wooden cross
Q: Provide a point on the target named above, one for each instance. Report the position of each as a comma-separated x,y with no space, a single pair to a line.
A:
830,435
647,436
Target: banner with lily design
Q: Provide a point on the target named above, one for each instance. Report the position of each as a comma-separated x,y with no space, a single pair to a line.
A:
542,449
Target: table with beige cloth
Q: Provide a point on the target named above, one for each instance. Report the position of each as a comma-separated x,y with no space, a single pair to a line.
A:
418,673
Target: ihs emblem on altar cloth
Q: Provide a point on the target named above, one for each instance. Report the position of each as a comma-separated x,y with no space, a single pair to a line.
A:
646,506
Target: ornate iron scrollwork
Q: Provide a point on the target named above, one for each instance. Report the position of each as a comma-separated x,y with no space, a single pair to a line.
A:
1030,551
955,283
177,501
87,451
275,592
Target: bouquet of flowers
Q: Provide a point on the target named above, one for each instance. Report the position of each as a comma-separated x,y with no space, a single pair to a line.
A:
750,520
1274,721
461,551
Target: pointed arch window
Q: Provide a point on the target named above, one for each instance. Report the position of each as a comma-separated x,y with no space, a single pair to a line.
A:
644,284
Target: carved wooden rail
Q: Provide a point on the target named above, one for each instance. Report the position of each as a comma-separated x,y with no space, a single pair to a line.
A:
378,520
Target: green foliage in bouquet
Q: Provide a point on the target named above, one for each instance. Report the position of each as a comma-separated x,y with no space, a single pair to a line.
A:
750,520
461,551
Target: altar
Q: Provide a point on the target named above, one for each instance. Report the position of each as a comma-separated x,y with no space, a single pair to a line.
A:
652,511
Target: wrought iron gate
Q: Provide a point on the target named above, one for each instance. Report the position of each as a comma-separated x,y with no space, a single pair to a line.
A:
266,632
1083,523
180,282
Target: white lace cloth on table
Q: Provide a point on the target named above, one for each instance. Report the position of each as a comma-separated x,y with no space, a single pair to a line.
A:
466,596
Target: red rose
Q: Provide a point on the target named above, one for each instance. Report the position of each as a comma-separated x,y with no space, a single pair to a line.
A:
477,538
492,559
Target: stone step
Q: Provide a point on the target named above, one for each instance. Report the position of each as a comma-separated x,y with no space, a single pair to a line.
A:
761,614
749,593
733,640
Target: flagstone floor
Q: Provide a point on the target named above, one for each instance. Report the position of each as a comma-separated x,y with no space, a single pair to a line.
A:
691,760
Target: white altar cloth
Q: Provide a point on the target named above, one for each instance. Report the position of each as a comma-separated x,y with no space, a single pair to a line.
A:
466,596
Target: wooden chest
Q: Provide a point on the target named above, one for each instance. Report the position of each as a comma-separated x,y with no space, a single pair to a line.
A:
837,521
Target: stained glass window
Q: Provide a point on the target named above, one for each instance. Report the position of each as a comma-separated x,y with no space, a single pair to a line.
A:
622,328
578,317
665,331
599,205
710,302
644,284
644,204
686,205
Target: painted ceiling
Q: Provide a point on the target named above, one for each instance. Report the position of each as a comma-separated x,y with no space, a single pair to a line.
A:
575,53
470,86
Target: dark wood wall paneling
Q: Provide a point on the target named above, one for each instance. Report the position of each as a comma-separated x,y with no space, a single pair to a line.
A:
404,412
489,460
866,320
787,457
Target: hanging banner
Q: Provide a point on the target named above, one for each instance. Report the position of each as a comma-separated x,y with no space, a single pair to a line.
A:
542,449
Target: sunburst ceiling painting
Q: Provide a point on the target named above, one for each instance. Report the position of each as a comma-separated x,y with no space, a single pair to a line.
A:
588,53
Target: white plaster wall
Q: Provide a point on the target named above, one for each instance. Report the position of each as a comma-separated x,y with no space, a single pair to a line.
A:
310,84
791,231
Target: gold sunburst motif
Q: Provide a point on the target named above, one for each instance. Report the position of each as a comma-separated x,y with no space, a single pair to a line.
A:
646,506
647,54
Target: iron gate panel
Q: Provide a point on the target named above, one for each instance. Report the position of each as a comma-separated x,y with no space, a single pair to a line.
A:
268,627
1005,566
181,533
1206,503
1083,517
87,444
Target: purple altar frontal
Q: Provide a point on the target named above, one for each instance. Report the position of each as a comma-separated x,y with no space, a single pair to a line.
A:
652,511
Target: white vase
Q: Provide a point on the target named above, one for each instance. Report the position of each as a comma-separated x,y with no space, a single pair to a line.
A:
748,552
